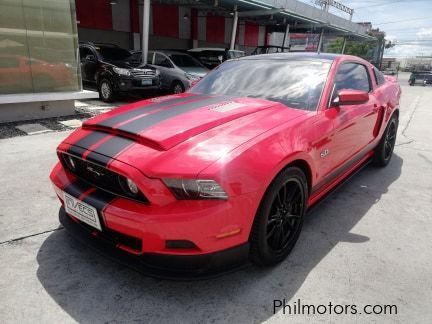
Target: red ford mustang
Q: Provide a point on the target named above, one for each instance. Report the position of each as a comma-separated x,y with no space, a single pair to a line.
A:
200,182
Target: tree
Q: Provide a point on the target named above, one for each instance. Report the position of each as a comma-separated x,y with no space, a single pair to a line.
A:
361,49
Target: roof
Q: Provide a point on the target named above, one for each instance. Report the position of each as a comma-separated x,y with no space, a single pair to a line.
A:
293,56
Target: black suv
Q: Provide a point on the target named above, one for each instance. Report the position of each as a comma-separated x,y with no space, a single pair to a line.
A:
111,69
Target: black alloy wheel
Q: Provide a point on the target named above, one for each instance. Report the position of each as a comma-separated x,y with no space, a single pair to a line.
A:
279,219
285,215
384,150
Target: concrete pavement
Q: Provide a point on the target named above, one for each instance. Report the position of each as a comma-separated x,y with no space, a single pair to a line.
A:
369,243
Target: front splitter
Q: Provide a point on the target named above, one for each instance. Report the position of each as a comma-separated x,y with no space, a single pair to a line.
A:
163,266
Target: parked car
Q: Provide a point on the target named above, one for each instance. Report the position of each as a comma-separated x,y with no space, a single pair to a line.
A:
178,70
212,57
109,68
424,78
390,71
269,49
204,181
19,72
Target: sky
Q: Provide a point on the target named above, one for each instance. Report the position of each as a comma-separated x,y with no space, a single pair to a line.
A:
406,22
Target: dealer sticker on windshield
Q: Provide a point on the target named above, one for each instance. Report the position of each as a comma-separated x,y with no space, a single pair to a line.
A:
84,212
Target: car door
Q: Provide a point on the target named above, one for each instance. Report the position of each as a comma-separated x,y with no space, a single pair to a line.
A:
88,64
353,125
165,67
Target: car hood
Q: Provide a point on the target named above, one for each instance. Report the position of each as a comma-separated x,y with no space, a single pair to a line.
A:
198,71
179,132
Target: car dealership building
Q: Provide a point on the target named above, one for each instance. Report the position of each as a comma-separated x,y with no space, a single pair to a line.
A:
39,57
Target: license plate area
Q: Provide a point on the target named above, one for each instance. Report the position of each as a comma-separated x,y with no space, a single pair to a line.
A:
83,211
146,82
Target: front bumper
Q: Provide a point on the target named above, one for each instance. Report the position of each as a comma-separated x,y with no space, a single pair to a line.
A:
135,84
184,267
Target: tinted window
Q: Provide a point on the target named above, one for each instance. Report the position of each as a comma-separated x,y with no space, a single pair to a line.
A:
161,60
84,51
379,77
113,53
352,76
295,83
182,60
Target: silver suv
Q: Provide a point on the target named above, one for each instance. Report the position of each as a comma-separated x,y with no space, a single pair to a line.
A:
178,71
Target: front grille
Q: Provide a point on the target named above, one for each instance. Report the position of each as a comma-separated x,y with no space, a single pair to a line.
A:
100,177
143,73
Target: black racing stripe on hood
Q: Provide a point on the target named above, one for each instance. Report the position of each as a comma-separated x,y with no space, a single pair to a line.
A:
77,151
112,121
110,149
86,142
140,124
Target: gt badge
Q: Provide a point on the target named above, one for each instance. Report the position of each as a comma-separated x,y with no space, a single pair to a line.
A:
324,153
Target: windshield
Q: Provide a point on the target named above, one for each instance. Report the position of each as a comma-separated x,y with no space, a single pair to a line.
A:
295,83
113,53
183,60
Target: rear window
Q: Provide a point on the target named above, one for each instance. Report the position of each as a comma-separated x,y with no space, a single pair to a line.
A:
379,77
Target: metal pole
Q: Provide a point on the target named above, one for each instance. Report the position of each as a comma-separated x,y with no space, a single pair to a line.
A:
320,41
145,30
343,45
286,36
234,28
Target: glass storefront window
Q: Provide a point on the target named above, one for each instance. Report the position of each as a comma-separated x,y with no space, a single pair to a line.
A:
38,46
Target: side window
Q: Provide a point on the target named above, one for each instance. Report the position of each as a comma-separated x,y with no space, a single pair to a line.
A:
161,60
352,76
84,51
379,77
150,58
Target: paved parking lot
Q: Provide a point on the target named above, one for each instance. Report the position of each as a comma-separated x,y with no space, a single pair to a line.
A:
369,243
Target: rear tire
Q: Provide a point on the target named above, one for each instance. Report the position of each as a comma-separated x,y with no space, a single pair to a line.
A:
279,218
106,90
384,150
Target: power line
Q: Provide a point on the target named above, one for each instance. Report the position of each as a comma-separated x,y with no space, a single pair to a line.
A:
398,21
389,3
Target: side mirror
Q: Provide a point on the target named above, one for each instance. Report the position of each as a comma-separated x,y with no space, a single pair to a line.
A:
350,97
90,58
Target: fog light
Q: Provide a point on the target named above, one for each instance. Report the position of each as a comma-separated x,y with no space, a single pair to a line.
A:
132,186
70,162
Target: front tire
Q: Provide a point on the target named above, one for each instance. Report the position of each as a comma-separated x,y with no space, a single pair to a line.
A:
279,219
177,87
106,90
384,150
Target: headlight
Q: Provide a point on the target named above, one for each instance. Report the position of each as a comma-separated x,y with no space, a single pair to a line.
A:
192,77
157,72
192,189
121,71
70,162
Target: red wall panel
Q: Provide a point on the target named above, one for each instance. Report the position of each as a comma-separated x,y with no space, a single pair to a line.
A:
215,29
94,14
165,20
251,34
134,16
